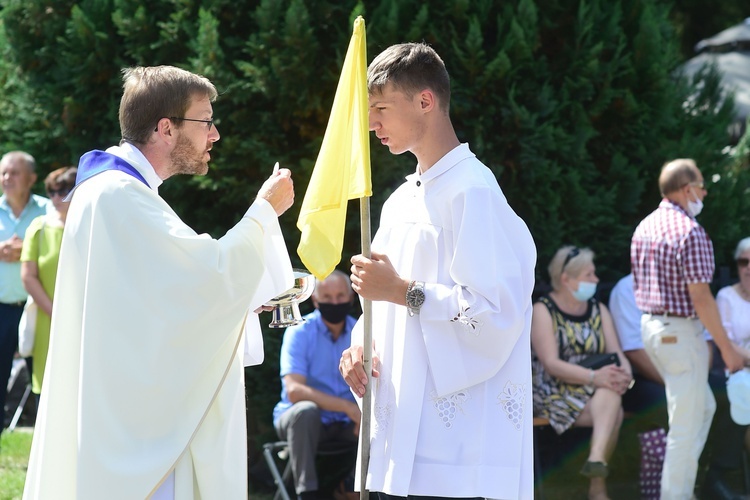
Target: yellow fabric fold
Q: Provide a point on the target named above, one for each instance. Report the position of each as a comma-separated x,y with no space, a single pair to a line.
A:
342,169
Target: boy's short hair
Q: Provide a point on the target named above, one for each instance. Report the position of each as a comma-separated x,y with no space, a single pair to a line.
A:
410,68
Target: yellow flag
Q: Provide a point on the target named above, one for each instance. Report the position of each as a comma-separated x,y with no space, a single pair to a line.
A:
342,170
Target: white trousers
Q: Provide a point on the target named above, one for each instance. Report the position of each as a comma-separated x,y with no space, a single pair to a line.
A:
679,352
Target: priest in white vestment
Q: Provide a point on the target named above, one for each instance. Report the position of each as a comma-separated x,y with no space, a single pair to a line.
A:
450,277
143,394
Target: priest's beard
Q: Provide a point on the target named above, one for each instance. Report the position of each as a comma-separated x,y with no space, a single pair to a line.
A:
186,159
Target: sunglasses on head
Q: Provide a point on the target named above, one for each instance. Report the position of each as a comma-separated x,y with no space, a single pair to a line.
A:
742,262
571,255
62,192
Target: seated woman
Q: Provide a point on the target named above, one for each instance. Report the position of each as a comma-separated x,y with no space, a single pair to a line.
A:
567,326
727,446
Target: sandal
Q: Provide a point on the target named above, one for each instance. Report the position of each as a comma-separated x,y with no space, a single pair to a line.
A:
595,469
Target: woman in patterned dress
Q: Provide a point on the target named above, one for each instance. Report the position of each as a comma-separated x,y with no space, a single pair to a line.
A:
567,326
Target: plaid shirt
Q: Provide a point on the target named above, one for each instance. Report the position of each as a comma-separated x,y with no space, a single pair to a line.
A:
669,250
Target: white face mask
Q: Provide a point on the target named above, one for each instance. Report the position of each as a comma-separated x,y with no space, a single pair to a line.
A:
694,207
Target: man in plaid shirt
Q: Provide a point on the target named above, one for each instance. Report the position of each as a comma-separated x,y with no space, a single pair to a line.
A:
673,263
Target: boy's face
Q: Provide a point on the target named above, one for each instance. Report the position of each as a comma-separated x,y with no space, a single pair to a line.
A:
397,120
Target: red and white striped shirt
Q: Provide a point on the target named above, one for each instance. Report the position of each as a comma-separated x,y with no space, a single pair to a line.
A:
669,250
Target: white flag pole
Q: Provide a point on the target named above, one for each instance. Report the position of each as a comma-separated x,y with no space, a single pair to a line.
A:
364,432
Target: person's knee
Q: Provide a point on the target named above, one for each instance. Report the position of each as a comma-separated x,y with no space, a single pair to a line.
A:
608,399
305,413
303,417
608,403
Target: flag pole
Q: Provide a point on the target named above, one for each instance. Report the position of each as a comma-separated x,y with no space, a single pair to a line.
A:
364,432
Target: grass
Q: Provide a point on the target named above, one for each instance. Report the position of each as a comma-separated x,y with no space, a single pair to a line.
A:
561,482
14,458
15,448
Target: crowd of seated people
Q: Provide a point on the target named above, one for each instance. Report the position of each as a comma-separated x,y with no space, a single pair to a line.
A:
570,325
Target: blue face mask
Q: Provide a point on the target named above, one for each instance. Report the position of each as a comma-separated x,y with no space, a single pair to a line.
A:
585,291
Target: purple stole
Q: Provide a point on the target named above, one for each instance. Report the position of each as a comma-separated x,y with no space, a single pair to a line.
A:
96,162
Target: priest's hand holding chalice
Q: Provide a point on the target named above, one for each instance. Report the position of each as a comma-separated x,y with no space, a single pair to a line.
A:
286,305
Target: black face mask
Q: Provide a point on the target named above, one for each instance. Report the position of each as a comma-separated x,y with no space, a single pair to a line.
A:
334,313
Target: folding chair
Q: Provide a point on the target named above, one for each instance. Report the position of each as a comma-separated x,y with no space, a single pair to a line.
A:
281,450
16,375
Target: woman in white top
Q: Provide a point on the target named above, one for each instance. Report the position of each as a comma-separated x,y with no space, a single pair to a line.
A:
734,301
734,307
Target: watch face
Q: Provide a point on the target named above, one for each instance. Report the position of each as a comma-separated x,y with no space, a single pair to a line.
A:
416,297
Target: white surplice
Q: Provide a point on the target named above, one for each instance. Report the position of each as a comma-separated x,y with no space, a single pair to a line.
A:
452,408
145,371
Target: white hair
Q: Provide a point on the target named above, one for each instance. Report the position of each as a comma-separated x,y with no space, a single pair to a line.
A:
742,247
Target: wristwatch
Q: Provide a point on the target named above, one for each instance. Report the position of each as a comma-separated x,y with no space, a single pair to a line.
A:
414,297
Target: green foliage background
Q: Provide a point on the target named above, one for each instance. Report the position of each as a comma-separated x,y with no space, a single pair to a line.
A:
573,104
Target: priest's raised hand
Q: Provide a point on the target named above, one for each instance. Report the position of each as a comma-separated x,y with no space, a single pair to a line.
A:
278,190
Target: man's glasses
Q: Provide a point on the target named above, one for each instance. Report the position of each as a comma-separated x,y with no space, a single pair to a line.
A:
571,255
698,185
209,122
62,192
743,262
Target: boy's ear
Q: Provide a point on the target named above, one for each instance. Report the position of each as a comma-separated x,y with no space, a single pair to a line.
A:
426,100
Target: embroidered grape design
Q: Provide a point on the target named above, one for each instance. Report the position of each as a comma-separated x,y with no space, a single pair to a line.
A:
511,400
446,411
513,410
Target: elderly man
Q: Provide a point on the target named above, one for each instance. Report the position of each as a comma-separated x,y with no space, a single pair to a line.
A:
144,394
673,264
317,408
18,207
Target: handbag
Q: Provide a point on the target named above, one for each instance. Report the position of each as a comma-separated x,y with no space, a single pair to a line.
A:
596,361
27,328
27,324
653,449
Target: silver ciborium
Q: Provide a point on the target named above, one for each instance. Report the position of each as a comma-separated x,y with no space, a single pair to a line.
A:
286,305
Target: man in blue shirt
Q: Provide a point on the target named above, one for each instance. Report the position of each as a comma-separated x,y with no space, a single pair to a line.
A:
316,404
18,207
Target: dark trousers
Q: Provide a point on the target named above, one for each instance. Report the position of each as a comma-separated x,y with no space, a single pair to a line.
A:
645,395
301,427
10,315
727,442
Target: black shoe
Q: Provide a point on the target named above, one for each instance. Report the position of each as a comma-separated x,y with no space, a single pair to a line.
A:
716,489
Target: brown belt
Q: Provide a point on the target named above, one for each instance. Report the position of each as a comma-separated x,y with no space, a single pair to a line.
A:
671,315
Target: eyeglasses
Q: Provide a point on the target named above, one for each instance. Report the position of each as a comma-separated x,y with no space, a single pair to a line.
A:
698,185
209,122
743,262
62,192
571,255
